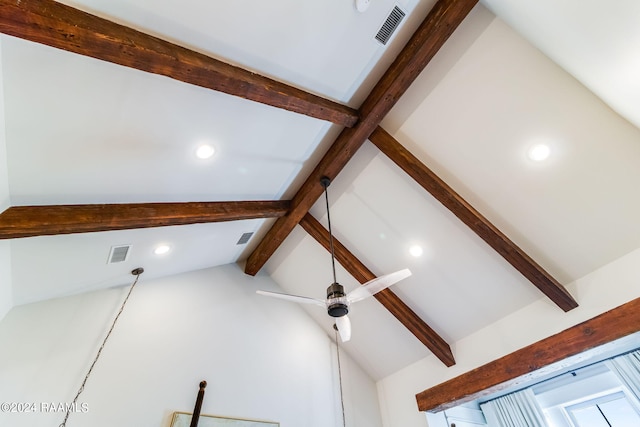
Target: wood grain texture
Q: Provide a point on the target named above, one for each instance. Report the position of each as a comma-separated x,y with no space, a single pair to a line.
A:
473,219
63,27
418,327
28,221
442,20
534,361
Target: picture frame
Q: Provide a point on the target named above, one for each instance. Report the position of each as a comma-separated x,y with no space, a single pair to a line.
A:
183,419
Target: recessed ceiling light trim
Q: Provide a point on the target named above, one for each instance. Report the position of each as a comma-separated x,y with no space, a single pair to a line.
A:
416,251
205,151
539,152
162,249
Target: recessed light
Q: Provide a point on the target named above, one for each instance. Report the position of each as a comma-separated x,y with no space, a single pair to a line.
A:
161,249
539,152
205,151
416,250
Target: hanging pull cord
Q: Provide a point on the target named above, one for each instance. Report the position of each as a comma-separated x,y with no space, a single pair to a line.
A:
137,272
333,258
344,420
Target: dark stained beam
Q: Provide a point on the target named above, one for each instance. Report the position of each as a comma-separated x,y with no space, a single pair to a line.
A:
537,360
387,298
63,27
442,20
28,221
473,219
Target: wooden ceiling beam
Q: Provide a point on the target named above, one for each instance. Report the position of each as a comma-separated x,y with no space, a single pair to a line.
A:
29,221
536,361
473,219
440,23
64,27
387,298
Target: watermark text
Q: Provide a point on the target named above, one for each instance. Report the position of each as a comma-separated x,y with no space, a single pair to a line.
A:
26,407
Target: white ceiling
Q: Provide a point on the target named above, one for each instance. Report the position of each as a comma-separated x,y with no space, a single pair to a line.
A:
597,42
83,131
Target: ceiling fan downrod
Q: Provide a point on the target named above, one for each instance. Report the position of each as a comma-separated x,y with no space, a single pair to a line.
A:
337,302
337,306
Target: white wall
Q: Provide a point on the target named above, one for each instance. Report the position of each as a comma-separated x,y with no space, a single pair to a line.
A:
263,359
600,291
6,299
4,173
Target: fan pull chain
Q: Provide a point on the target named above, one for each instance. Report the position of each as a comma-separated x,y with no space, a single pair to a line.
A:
333,258
137,272
344,420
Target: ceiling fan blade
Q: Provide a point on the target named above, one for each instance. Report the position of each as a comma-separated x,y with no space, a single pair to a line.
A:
294,298
344,327
374,286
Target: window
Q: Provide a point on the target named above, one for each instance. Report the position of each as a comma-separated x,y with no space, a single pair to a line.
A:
612,410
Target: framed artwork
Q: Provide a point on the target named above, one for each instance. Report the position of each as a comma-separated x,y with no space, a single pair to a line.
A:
183,419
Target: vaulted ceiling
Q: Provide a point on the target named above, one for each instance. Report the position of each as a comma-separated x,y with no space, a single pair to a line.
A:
425,140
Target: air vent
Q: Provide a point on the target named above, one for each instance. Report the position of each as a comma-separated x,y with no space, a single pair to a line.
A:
244,238
390,25
119,254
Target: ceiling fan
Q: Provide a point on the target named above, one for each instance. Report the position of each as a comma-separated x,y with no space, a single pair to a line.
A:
337,301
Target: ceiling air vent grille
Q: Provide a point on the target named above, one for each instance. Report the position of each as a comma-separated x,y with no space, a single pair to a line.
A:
244,238
119,254
390,25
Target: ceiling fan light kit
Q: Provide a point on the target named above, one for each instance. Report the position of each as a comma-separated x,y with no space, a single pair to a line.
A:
337,301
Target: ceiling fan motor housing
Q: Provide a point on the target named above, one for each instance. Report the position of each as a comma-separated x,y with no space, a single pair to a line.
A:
337,301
